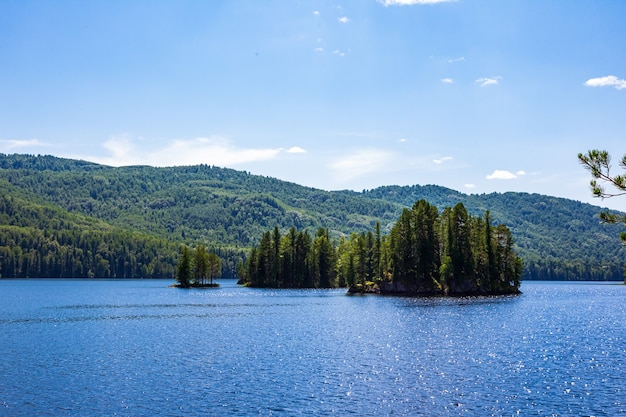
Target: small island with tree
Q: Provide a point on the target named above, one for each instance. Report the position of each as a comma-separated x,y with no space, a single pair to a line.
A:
426,253
197,268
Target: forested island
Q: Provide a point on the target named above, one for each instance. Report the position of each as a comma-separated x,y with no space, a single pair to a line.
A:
426,253
64,218
197,268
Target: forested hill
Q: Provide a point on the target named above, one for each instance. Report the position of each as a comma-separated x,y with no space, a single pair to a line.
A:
228,211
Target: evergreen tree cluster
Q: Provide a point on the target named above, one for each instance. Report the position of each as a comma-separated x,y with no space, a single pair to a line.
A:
426,252
33,253
38,241
198,267
293,260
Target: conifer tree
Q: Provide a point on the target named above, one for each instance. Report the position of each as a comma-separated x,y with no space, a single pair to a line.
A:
460,247
301,261
276,239
378,261
200,265
491,260
323,258
183,274
426,244
402,249
215,266
265,263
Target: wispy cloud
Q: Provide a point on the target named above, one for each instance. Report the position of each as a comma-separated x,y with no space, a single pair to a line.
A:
362,162
123,151
339,53
504,175
11,144
376,163
608,81
453,60
484,82
316,13
469,186
387,3
344,19
442,160
447,80
320,45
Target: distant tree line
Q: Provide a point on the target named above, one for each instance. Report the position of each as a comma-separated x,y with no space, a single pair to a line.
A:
34,253
40,241
426,252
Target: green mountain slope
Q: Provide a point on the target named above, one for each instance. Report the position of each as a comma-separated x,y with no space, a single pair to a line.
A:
42,240
228,210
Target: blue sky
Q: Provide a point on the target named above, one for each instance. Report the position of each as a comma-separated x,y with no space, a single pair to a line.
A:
475,95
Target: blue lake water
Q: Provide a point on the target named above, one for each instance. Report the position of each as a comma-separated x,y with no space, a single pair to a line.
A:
139,348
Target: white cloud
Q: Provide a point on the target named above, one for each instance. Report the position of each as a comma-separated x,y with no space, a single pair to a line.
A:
469,186
441,160
447,80
15,143
501,175
520,173
319,49
125,151
453,60
344,19
339,53
316,13
608,81
403,140
296,149
488,81
387,3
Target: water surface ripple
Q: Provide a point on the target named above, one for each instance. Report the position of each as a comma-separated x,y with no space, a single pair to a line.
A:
139,348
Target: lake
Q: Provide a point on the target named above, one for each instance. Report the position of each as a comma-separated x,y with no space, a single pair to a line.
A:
139,348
